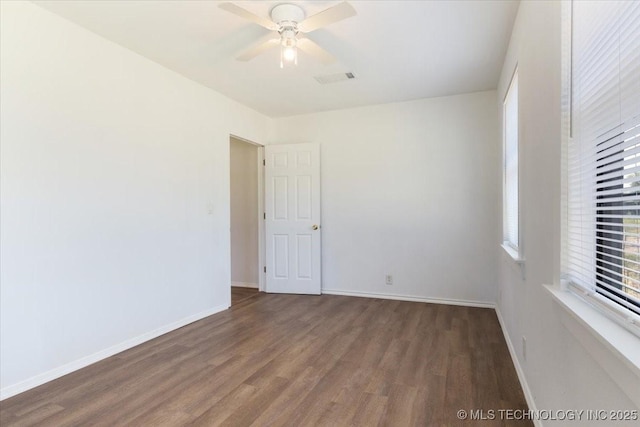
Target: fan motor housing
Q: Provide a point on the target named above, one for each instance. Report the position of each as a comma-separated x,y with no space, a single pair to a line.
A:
287,14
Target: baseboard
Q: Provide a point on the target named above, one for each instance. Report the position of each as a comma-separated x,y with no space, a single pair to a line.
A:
83,362
523,380
466,303
245,285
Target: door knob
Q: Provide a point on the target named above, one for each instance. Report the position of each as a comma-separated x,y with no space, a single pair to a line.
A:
314,227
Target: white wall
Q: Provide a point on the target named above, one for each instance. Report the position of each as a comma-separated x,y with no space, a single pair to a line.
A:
115,189
244,213
409,189
559,372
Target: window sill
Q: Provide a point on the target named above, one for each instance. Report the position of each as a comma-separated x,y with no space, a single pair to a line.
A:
514,254
602,337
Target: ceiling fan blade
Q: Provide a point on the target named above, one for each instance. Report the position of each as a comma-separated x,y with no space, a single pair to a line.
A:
334,14
310,47
244,13
262,45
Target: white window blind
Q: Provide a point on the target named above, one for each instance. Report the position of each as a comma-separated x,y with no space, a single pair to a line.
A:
603,206
510,122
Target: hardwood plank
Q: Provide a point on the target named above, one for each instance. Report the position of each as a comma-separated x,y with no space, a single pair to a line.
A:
239,294
282,360
252,408
399,408
217,413
369,410
35,416
281,409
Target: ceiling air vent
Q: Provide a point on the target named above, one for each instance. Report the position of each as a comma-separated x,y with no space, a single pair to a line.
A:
334,78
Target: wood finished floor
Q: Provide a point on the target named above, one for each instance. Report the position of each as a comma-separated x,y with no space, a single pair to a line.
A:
287,360
239,294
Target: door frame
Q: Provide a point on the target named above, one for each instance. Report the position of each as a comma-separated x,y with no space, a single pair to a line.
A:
260,214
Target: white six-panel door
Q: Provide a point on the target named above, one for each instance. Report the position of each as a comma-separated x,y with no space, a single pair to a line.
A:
292,218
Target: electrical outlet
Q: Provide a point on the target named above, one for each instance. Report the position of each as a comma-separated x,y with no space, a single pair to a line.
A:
524,348
388,279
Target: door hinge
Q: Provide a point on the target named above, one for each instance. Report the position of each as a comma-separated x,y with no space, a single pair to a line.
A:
264,162
265,268
264,215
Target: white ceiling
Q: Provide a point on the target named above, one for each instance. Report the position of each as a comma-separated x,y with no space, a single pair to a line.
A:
398,50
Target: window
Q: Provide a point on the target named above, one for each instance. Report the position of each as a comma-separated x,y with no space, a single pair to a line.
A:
603,172
510,134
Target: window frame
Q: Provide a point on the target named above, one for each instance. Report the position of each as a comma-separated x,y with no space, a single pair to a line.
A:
514,250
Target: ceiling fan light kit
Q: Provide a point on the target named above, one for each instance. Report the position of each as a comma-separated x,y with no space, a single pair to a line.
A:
288,20
288,50
286,17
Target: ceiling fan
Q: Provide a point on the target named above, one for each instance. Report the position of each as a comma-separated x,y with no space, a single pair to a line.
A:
288,20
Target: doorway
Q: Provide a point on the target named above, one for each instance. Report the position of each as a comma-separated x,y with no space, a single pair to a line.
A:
246,212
